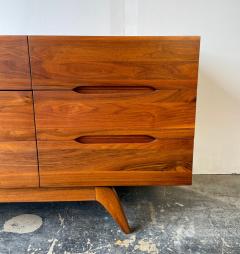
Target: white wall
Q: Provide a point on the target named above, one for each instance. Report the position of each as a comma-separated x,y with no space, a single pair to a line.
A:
84,17
217,143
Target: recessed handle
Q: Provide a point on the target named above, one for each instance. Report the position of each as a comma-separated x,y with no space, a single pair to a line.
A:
114,139
105,89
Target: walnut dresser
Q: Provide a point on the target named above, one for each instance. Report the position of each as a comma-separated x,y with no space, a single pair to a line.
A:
80,115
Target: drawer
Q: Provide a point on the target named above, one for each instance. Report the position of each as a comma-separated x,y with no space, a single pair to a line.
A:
64,62
123,162
18,162
114,110
16,116
14,63
66,115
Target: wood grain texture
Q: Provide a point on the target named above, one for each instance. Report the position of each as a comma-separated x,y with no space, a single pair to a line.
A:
14,63
120,48
64,62
114,86
68,163
117,178
18,164
47,194
108,198
63,135
61,115
16,116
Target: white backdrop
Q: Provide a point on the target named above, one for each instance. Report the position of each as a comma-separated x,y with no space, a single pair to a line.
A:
217,143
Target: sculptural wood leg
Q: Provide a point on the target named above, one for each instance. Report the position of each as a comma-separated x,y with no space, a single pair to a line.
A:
108,198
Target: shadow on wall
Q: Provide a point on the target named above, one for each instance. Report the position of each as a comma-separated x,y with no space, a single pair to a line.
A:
217,136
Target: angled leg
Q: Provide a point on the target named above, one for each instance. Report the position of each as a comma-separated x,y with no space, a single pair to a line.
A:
108,198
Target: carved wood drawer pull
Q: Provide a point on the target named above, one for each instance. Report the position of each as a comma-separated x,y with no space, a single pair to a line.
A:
113,139
113,89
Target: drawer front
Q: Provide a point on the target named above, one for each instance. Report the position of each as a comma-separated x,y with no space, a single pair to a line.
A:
14,63
65,62
148,162
66,115
18,162
134,137
127,112
16,116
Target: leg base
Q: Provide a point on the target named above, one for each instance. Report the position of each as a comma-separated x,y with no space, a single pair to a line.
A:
108,198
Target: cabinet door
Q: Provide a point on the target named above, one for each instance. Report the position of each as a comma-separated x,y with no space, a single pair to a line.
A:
18,163
14,63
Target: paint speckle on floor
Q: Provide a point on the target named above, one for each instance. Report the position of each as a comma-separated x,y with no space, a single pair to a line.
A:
200,219
179,204
53,243
152,213
22,224
146,246
126,242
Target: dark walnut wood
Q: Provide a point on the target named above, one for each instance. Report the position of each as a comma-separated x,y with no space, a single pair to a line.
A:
65,62
18,162
14,63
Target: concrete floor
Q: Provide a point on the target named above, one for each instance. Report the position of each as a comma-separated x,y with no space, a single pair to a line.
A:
203,218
